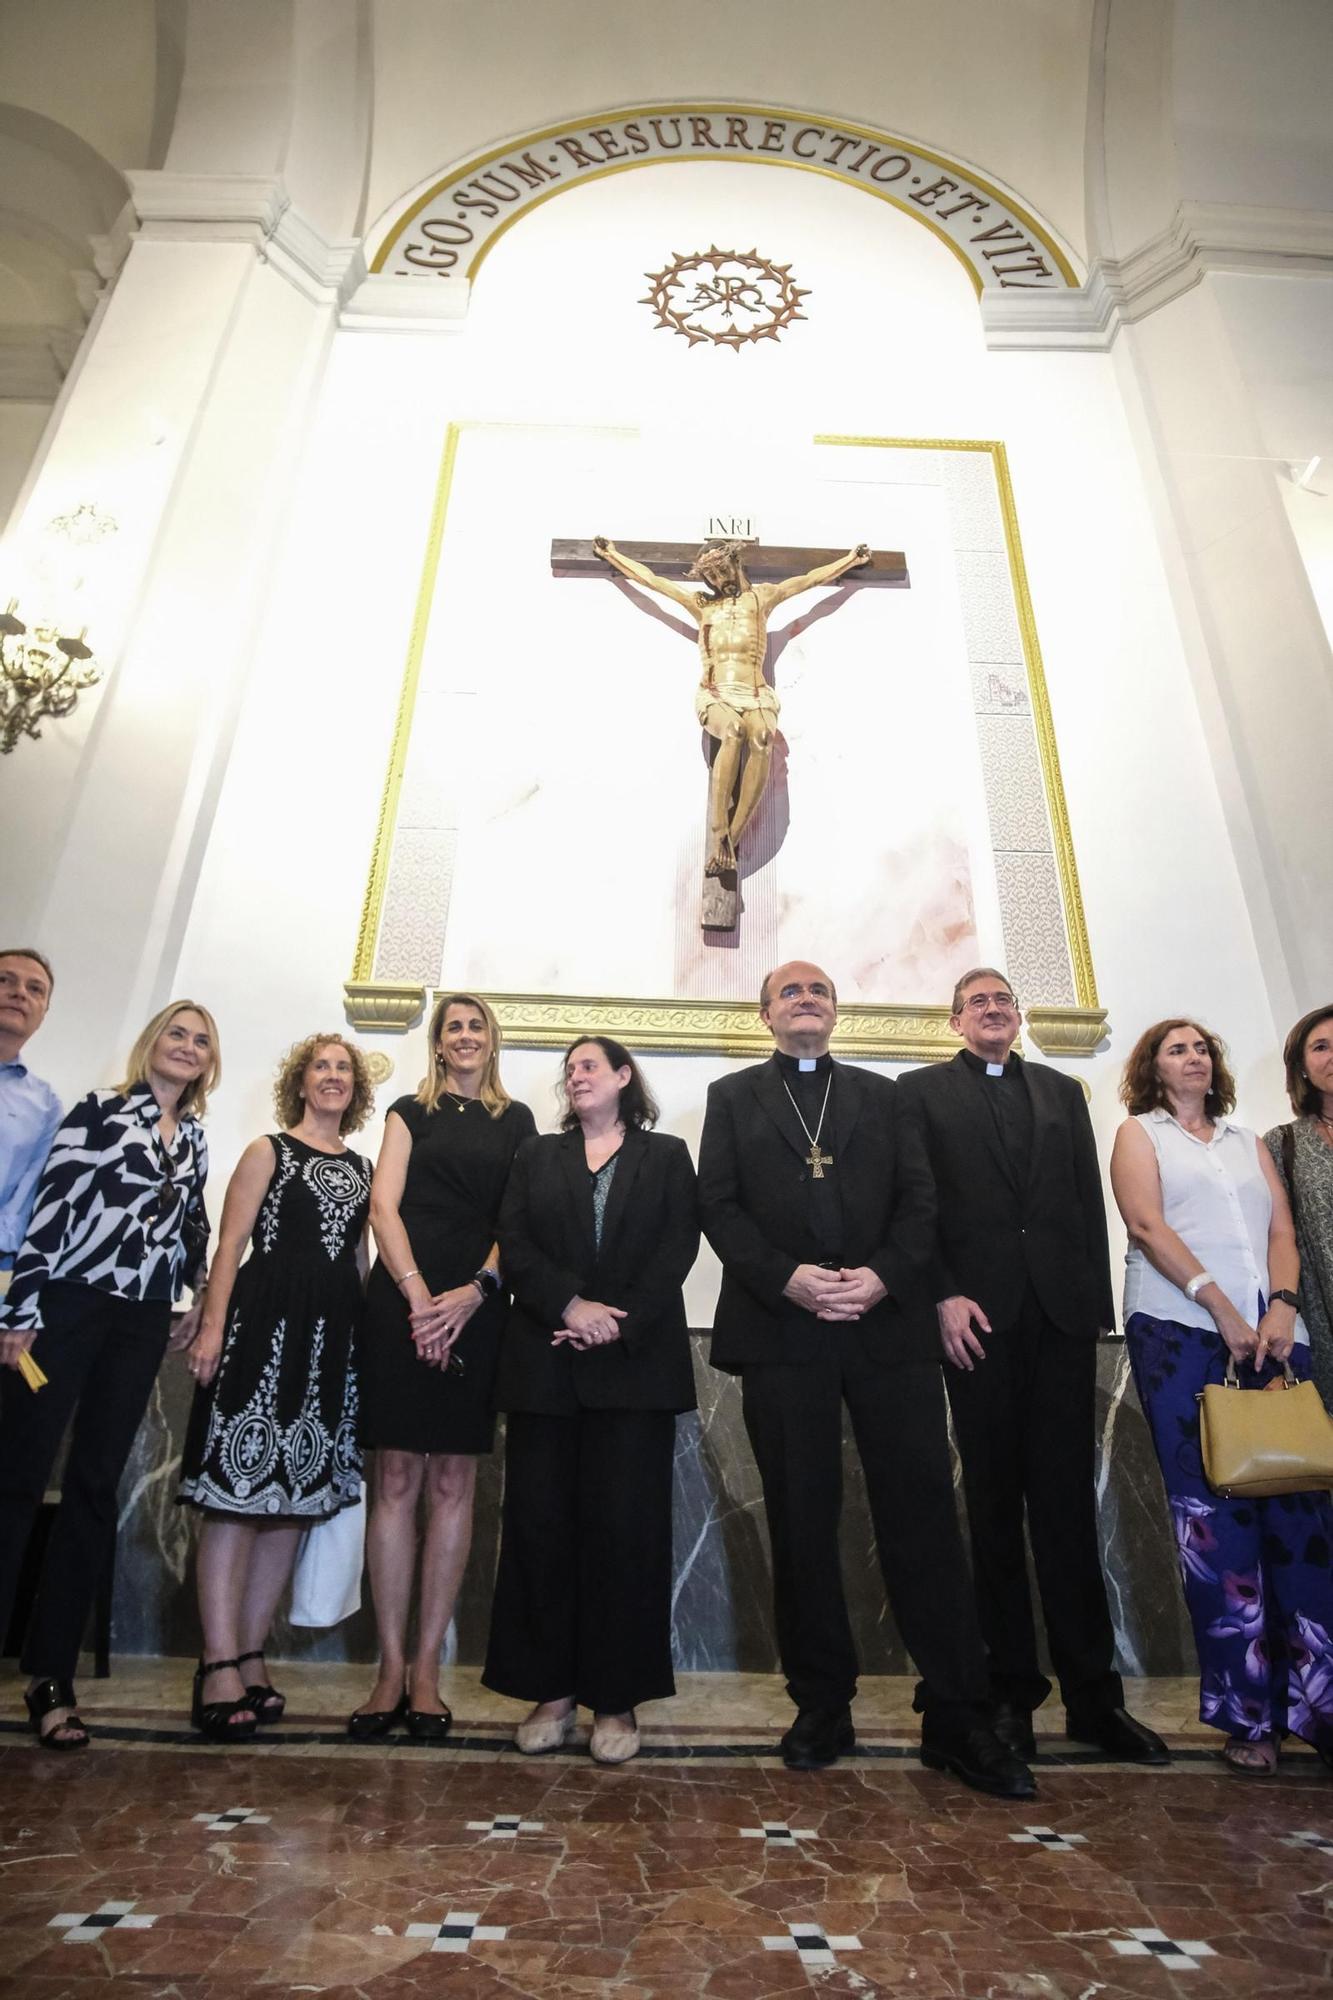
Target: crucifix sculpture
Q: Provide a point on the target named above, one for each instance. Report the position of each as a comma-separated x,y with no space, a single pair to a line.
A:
735,703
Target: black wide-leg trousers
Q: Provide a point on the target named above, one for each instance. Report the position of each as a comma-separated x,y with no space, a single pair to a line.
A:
100,1355
1024,1419
582,1603
793,1414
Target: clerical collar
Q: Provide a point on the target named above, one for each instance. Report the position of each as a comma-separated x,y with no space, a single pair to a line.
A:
803,1065
981,1067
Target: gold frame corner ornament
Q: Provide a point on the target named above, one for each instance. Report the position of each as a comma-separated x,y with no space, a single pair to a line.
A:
1067,1031
383,1006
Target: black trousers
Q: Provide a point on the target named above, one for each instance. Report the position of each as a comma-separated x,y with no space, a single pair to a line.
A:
101,1355
1024,1421
583,1590
793,1415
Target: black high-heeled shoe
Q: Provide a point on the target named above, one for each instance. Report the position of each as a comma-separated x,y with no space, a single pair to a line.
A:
40,1700
267,1703
220,1721
367,1725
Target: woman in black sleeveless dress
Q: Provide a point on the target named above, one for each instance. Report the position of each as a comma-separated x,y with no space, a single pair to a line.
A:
271,1444
434,1308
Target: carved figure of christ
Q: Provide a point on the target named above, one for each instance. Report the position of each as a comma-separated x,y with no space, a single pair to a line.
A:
733,701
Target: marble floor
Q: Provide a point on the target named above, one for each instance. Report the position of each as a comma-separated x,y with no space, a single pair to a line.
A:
304,1864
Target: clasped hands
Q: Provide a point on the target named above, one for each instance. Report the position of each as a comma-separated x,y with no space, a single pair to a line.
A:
1274,1337
588,1323
834,1295
437,1322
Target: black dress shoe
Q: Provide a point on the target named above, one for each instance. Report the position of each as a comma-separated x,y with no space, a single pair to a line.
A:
817,1738
981,1760
425,1725
1013,1726
367,1725
1115,1731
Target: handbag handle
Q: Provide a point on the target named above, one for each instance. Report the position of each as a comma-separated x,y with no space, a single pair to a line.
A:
1232,1380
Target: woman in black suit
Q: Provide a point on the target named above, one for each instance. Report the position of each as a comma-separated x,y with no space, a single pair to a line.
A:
598,1232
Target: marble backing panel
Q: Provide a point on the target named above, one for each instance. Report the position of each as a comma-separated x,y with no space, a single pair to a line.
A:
721,1600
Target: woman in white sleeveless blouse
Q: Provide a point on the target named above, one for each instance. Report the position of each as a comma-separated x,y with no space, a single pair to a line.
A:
1211,1275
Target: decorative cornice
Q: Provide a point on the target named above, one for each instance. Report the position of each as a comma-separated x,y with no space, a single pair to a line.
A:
226,207
713,1027
383,304
254,209
1201,237
1067,1031
383,1006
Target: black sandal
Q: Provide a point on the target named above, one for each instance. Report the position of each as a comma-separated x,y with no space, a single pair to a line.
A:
218,1720
40,1700
264,1699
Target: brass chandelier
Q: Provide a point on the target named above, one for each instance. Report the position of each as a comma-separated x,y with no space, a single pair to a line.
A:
42,674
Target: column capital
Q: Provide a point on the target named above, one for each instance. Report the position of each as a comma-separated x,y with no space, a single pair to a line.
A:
248,208
1201,237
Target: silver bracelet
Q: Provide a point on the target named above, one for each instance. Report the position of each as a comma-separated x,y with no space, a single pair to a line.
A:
1197,1283
413,1273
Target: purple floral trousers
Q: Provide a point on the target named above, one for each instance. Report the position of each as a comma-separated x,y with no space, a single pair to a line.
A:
1257,1574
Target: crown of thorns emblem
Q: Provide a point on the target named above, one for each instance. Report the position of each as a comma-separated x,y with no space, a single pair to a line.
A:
728,297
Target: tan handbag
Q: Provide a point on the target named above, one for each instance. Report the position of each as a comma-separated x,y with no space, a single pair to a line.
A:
1257,1444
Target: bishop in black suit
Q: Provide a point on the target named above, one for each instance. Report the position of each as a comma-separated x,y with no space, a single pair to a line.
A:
1022,1279
823,1219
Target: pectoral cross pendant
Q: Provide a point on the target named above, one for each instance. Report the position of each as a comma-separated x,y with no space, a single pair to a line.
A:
817,1161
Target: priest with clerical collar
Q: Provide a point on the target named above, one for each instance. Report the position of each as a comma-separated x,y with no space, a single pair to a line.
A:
1022,1283
823,1219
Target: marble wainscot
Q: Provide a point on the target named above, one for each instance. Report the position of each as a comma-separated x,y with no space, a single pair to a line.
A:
720,1608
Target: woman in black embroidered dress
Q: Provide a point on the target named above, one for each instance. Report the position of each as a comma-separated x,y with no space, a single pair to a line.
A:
271,1444
118,1227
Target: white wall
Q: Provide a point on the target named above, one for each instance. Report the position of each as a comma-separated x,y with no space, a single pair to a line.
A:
1001,85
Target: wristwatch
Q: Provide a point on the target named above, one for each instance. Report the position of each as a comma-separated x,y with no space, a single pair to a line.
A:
1287,1298
486,1280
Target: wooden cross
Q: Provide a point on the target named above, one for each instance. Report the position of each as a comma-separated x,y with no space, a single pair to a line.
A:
817,1161
887,568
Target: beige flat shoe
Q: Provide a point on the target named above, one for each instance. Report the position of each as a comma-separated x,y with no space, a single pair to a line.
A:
544,1732
613,1741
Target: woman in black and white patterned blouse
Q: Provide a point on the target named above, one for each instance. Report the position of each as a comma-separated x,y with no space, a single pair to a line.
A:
117,1229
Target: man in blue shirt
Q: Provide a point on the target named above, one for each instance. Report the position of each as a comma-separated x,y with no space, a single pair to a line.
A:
29,1109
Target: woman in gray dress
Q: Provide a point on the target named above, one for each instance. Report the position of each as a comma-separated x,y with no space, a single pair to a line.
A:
1303,1154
